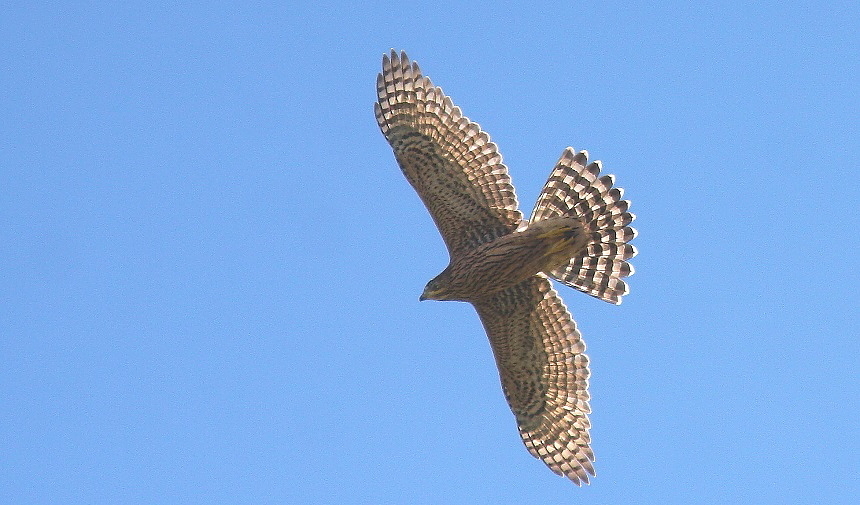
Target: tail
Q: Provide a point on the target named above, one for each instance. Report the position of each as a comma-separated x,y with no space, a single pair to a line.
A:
575,188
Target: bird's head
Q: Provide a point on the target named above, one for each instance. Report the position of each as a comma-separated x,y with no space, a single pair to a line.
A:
435,290
443,287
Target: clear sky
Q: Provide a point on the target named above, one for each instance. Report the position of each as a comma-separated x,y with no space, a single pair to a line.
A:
211,262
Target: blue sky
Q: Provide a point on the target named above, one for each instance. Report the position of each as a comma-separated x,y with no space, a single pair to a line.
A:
211,262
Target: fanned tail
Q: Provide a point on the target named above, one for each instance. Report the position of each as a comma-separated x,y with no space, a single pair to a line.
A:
576,188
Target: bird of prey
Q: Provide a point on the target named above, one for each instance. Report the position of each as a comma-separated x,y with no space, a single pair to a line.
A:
578,234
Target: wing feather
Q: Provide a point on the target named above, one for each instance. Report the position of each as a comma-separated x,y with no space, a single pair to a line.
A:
453,166
544,373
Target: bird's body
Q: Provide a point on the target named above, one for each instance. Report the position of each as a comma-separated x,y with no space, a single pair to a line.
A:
501,264
508,260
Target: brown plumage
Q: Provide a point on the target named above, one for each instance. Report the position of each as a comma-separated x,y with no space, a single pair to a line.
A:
577,234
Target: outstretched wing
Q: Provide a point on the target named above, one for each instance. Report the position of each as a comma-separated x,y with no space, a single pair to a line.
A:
544,373
451,163
576,188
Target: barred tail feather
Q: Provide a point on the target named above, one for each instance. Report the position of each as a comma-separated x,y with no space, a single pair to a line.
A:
576,188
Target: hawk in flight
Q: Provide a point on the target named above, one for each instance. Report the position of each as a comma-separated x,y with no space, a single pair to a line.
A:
578,234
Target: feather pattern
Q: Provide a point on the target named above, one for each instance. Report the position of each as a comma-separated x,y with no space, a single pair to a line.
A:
576,188
452,164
